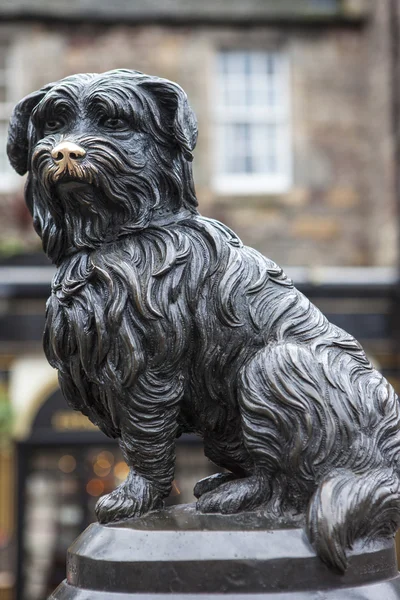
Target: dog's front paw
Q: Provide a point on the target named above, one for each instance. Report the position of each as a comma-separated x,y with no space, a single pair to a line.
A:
235,496
133,498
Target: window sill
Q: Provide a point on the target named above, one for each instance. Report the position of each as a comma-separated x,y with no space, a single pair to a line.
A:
250,185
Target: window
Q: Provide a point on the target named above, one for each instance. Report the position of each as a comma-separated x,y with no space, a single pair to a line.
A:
252,123
8,178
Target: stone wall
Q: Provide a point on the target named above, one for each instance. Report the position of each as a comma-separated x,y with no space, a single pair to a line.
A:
341,208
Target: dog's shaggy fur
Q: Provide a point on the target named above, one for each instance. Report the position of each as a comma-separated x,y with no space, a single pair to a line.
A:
161,322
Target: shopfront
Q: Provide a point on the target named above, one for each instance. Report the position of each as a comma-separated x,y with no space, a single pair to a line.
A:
64,465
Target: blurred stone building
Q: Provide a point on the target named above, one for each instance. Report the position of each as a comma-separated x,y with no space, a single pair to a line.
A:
298,104
293,99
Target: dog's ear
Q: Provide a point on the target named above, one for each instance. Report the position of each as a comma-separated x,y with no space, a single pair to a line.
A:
184,122
18,142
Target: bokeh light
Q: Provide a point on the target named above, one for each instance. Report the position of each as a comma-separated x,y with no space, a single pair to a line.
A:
67,463
95,487
105,455
121,470
102,467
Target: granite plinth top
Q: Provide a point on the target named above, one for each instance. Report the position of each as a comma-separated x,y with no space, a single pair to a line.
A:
180,553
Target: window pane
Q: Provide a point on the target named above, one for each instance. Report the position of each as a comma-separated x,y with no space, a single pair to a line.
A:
237,148
232,63
233,92
267,79
250,148
265,148
250,79
252,114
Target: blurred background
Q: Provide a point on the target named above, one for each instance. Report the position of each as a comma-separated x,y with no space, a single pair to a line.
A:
298,103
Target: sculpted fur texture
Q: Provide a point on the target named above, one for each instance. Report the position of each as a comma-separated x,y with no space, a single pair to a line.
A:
161,322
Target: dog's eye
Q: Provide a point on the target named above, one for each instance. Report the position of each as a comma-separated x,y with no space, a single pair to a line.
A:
52,125
114,123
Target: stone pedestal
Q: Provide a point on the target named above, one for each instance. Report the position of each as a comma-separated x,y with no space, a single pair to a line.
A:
177,553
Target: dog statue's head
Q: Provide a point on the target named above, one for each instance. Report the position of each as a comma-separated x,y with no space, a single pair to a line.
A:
107,154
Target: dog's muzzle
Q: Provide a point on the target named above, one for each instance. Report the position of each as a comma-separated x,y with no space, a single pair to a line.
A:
68,156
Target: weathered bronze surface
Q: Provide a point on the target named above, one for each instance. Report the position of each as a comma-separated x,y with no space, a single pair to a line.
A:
161,322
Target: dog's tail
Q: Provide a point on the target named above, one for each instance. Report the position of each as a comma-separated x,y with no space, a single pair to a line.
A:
346,507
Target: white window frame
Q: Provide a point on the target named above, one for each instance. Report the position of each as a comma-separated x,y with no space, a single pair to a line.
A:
255,183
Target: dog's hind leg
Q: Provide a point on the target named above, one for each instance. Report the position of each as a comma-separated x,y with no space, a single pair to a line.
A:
208,484
273,402
235,496
226,450
242,488
148,431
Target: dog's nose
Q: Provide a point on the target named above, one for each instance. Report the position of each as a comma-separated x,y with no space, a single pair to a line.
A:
67,152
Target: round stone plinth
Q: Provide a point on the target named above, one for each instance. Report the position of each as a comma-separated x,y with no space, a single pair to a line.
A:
178,553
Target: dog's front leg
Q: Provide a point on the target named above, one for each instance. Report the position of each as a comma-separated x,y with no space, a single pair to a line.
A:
148,432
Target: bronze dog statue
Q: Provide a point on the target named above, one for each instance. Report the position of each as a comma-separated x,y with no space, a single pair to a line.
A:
161,322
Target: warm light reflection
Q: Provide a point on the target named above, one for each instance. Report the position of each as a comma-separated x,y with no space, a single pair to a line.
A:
175,490
121,470
107,456
102,467
67,463
95,487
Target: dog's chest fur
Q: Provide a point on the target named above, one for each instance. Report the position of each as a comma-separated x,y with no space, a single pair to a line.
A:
108,311
188,299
